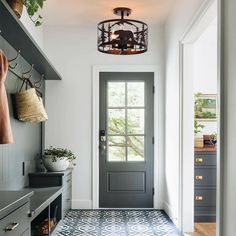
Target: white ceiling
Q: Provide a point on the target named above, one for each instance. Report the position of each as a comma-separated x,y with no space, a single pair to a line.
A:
90,12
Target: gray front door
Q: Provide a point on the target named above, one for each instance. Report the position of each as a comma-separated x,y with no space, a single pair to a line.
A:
126,140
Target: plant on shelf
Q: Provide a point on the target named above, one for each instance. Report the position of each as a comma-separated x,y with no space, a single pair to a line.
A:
57,159
198,128
198,139
32,7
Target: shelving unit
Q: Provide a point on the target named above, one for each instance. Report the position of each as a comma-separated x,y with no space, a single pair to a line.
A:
14,32
45,210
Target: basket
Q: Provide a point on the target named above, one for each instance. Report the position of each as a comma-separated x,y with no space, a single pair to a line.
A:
30,106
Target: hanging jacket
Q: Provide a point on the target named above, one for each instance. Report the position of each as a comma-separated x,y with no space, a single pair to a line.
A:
5,126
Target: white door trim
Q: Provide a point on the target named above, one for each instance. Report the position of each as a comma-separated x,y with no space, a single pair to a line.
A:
158,128
192,32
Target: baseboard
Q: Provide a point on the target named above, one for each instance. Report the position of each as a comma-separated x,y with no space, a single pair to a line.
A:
81,204
170,212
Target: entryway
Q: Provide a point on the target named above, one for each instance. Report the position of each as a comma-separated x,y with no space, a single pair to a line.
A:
146,171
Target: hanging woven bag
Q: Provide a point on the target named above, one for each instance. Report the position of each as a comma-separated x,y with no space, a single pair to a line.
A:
29,105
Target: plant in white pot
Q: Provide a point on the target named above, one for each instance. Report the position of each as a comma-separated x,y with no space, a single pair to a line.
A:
198,138
57,159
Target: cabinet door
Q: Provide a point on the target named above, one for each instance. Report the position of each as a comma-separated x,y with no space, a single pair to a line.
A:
204,159
15,223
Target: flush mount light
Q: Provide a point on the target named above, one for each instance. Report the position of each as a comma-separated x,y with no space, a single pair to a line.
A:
122,36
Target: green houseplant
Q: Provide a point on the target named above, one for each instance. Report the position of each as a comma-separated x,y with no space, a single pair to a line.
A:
198,139
57,159
32,7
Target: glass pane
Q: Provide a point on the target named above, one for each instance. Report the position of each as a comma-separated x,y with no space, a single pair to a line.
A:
135,148
116,121
116,94
136,121
116,149
135,94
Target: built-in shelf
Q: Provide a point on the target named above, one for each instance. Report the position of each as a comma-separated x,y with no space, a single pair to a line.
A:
14,32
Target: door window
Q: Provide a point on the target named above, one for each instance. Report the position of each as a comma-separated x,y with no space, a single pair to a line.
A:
126,121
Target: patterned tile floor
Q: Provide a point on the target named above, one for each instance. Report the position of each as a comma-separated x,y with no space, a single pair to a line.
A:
117,223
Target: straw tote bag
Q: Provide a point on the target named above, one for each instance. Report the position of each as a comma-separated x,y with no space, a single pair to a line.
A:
29,105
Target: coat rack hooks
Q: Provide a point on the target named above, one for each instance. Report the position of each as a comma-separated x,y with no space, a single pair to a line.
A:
11,60
39,81
28,72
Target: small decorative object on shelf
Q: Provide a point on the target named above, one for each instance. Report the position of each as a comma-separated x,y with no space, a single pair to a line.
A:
32,7
198,140
57,159
210,139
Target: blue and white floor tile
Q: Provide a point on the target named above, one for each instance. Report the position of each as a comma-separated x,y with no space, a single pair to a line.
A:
117,223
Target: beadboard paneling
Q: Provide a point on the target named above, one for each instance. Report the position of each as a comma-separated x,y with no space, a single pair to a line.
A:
27,137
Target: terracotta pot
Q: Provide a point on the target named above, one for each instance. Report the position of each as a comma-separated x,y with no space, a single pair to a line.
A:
16,6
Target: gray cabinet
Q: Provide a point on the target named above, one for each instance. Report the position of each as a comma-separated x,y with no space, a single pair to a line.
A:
205,186
16,223
54,179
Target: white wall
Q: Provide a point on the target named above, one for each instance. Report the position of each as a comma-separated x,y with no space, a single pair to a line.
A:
205,67
229,115
182,14
73,51
36,32
205,61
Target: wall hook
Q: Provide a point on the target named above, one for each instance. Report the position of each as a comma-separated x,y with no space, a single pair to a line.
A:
39,82
11,60
28,72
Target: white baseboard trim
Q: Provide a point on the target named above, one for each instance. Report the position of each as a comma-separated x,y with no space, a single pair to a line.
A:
170,212
81,204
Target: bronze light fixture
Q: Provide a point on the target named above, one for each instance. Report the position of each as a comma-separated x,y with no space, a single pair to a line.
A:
122,36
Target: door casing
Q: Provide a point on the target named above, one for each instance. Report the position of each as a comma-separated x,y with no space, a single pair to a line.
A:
193,30
158,128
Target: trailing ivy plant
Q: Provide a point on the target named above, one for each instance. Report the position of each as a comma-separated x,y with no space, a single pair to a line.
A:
59,153
32,7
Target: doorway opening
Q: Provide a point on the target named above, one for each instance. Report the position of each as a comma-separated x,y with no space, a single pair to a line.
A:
200,124
158,129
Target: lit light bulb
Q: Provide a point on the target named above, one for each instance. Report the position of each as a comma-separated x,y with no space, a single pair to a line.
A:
113,35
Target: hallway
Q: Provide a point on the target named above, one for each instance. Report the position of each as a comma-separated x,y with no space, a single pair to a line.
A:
117,223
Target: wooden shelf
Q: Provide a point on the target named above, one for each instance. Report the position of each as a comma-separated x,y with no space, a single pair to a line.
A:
14,32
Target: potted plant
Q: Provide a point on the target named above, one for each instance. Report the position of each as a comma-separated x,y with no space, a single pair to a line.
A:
198,139
32,7
57,159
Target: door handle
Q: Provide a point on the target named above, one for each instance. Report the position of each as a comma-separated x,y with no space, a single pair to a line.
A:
199,198
103,135
199,160
199,177
102,140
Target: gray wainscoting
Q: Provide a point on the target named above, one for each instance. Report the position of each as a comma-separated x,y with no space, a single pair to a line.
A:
27,146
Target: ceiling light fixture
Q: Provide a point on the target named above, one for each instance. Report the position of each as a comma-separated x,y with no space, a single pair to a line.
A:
122,36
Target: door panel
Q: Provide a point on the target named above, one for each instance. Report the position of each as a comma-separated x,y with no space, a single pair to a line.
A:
126,181
126,139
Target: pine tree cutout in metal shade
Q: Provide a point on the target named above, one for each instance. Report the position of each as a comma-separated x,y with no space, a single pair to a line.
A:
122,36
